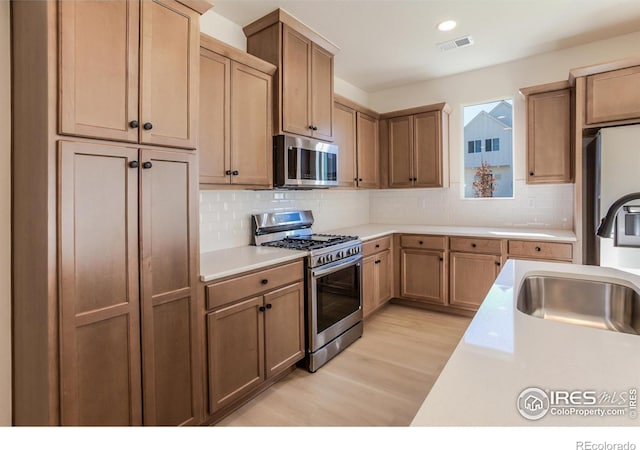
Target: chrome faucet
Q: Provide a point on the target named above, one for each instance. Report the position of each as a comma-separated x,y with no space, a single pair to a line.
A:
606,226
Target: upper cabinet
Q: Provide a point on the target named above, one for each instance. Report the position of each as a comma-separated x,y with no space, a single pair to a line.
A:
613,96
235,137
549,131
304,94
356,134
129,71
416,143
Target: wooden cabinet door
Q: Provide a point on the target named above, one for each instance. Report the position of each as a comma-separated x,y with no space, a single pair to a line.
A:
296,82
427,151
251,138
214,135
169,72
283,328
235,349
169,279
345,138
400,151
321,93
472,275
99,301
423,275
613,95
99,69
549,137
384,274
369,288
368,175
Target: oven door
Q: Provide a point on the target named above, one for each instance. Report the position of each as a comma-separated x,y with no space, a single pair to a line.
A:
335,293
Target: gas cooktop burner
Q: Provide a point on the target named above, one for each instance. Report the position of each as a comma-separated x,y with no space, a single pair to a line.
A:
310,242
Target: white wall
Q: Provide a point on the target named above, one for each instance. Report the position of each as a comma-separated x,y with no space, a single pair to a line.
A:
483,85
5,218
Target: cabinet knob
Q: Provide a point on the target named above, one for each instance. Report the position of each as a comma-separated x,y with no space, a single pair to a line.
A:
227,172
497,263
147,165
538,249
377,261
147,126
531,174
377,245
134,164
415,179
268,305
261,308
310,127
441,258
355,179
473,245
264,281
134,124
235,172
420,242
315,128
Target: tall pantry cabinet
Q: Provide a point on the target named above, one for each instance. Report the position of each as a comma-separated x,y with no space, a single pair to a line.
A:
105,218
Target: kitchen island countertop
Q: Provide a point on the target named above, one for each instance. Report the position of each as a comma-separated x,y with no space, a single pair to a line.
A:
505,351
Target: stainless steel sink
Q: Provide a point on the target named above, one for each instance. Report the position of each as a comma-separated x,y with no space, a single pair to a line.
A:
596,304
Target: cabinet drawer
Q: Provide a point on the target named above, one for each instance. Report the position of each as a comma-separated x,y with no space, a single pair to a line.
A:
422,241
376,245
542,250
476,245
228,291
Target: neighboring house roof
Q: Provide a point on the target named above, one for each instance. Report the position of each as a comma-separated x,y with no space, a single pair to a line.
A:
483,115
503,111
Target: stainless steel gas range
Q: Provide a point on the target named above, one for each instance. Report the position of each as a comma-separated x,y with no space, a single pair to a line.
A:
333,280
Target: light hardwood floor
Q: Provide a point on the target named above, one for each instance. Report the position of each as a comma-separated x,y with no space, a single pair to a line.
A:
380,380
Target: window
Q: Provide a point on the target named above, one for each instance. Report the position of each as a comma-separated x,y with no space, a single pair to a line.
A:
492,145
474,146
488,154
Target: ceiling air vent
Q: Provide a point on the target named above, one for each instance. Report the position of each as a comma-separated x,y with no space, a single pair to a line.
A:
455,43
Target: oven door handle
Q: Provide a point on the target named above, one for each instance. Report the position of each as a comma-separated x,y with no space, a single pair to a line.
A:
336,266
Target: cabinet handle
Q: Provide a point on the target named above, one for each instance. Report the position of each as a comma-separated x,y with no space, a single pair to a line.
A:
310,127
377,261
261,308
538,249
531,174
264,281
268,305
235,172
134,164
441,258
377,245
415,179
355,179
420,242
134,124
227,172
359,179
147,165
497,263
473,245
147,126
315,128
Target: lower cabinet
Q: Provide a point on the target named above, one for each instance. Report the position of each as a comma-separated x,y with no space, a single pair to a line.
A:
377,274
252,339
471,277
423,275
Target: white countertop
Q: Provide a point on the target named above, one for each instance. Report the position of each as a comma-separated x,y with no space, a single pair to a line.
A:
232,261
371,231
505,351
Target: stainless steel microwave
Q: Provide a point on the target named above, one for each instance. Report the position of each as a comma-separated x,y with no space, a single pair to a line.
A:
302,163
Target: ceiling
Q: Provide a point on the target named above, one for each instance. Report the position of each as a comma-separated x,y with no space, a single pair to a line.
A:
390,43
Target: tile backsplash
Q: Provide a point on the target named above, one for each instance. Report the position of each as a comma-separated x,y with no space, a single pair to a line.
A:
225,215
539,206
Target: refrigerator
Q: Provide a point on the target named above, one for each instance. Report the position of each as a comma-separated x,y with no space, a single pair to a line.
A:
616,167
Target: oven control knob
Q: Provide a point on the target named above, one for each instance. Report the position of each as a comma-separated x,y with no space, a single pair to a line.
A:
340,255
321,260
329,257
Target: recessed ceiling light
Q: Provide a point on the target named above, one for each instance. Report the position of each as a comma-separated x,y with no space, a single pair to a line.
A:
447,25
